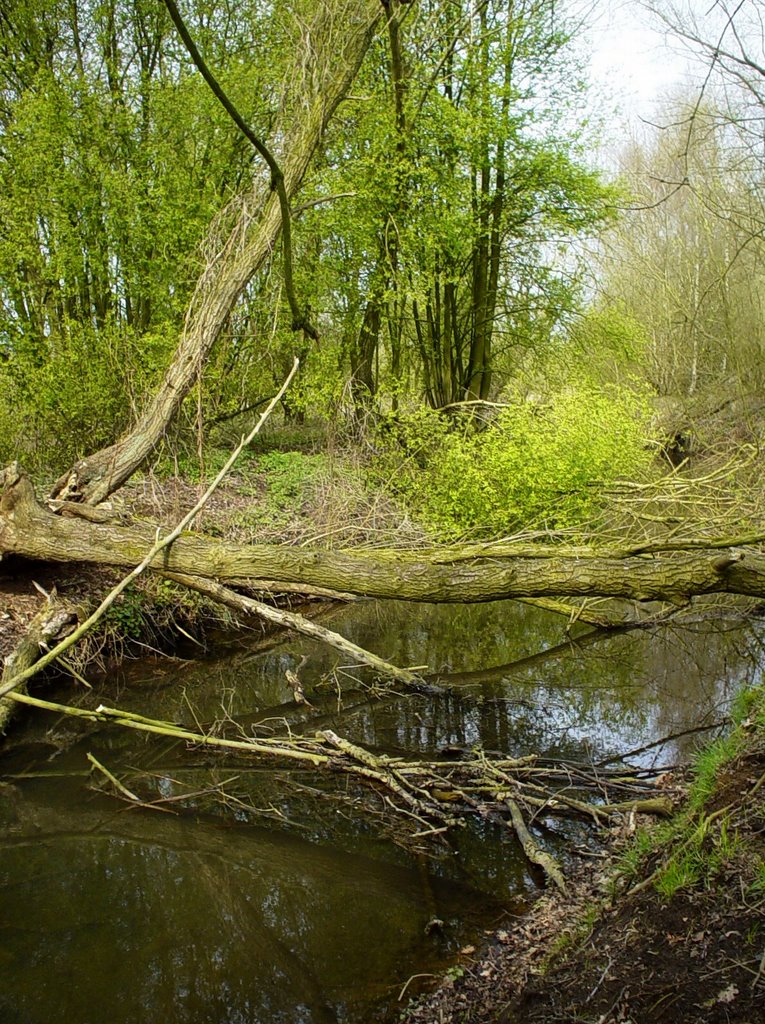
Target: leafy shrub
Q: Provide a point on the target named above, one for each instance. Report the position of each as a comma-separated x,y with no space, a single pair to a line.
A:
535,466
78,396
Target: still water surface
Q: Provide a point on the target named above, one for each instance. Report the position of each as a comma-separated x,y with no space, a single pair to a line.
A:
280,905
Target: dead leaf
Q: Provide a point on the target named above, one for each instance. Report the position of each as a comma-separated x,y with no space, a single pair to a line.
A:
728,994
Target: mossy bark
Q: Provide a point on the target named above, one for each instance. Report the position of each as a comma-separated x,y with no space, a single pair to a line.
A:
464,574
42,631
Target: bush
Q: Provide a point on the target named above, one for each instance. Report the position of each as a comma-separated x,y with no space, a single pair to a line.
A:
536,466
77,396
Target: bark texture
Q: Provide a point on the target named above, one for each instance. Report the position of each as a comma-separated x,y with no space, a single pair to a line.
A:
43,630
465,574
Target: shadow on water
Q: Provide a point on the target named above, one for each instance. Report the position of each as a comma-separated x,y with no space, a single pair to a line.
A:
283,902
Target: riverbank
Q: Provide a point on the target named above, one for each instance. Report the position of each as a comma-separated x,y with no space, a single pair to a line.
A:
671,928
678,936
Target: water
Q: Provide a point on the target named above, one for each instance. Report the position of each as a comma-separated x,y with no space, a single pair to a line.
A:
287,896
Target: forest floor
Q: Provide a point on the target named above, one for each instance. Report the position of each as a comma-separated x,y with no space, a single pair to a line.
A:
680,936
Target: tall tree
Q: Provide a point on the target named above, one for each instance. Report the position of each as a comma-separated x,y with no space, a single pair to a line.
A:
328,46
467,175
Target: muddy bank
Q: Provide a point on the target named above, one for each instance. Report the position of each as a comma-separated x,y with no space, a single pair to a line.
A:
621,946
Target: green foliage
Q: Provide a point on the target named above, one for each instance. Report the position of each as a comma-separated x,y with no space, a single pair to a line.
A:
114,158
687,264
77,398
757,887
707,768
284,483
700,856
536,466
643,843
612,340
289,475
128,615
452,216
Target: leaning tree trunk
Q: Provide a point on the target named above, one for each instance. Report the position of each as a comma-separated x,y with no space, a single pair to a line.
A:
334,45
670,572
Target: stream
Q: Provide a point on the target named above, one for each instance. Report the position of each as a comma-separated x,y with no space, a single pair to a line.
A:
261,894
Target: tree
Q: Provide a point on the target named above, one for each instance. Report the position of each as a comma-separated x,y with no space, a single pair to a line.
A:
685,264
331,44
463,179
113,161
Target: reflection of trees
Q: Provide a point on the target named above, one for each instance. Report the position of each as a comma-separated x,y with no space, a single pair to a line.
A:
599,692
146,894
168,920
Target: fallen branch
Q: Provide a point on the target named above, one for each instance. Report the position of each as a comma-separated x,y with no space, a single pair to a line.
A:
114,780
531,848
298,623
488,787
156,549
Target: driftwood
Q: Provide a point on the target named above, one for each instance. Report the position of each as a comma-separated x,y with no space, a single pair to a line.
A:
429,796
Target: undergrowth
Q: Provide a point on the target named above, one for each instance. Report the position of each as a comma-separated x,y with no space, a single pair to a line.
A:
704,839
152,614
537,465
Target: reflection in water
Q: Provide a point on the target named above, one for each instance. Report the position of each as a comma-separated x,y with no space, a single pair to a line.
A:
216,915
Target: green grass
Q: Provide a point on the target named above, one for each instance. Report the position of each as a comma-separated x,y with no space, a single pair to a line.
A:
695,846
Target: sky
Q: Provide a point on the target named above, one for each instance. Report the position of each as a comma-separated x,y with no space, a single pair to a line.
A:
634,64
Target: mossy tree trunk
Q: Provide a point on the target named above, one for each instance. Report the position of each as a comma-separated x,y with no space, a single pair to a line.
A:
464,574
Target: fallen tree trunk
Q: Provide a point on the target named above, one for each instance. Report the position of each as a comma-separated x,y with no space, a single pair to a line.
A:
43,629
673,572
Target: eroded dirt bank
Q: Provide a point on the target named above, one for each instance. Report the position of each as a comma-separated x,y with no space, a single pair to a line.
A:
619,949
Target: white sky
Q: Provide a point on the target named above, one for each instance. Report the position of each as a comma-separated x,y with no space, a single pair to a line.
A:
635,66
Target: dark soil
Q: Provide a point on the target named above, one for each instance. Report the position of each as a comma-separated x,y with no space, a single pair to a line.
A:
697,956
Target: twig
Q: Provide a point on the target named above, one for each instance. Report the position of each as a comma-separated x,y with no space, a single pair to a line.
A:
402,993
114,780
